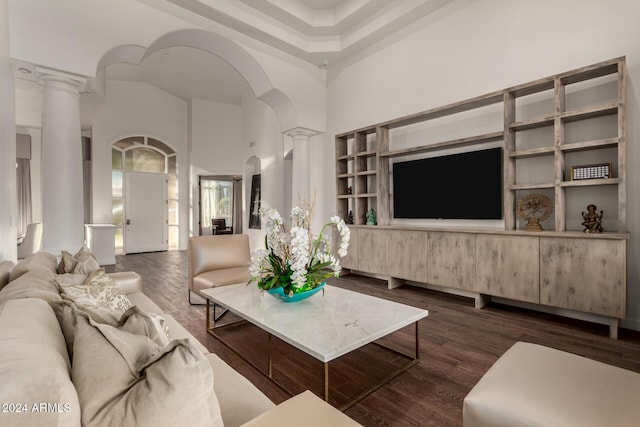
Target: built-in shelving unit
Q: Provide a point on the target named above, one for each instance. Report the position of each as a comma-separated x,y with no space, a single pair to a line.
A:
546,126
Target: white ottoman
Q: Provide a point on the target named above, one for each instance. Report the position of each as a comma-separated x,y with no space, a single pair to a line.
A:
533,385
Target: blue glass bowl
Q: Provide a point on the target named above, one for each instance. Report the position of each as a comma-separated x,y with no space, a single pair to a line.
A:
279,294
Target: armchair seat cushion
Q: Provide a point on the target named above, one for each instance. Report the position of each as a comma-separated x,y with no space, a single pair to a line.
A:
227,276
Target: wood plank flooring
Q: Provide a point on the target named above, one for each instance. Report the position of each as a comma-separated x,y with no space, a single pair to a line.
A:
458,343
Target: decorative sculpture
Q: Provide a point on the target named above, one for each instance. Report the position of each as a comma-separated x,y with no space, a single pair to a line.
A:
350,218
592,220
371,217
534,208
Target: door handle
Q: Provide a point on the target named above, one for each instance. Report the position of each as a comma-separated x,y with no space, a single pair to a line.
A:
128,222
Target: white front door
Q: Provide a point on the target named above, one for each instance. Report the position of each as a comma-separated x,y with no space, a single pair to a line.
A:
145,225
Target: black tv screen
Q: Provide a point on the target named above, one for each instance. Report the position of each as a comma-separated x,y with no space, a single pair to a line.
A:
457,186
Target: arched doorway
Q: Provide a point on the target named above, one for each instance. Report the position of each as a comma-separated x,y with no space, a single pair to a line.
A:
144,184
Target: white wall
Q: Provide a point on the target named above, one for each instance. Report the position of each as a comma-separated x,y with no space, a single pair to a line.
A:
216,146
469,48
8,214
302,83
260,124
138,109
216,135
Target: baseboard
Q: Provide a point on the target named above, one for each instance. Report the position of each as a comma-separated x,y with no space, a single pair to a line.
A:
633,324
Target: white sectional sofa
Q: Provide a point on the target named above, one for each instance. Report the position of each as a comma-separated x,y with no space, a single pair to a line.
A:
48,381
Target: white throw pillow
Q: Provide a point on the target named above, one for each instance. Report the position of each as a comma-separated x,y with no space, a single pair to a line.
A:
99,294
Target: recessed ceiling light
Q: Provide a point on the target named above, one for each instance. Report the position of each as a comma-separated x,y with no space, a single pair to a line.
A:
24,70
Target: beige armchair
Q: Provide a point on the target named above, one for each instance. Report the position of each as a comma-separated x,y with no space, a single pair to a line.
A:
32,240
218,261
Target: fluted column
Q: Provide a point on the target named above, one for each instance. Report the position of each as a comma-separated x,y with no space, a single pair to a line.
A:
62,190
300,189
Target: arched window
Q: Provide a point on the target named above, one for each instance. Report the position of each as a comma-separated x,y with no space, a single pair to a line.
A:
143,154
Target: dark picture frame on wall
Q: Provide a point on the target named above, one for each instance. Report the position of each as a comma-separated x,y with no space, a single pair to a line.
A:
254,212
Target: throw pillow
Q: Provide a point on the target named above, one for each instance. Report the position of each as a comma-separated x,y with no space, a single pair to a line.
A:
127,379
133,320
86,264
83,251
67,262
100,296
152,325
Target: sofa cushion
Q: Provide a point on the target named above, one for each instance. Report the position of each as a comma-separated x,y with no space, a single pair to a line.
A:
5,272
34,367
128,281
227,276
37,261
240,401
99,296
126,379
144,302
32,284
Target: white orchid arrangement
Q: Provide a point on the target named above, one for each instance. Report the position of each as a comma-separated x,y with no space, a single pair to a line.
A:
297,261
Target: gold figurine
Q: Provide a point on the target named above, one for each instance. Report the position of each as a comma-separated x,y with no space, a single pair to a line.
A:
592,220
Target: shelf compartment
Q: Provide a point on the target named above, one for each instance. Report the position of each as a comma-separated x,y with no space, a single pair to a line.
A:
590,112
590,145
533,152
541,85
537,122
592,71
472,140
591,182
447,110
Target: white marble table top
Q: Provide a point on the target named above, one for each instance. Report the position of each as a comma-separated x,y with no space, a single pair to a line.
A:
325,327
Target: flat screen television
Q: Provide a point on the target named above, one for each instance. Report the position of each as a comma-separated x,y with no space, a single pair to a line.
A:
457,186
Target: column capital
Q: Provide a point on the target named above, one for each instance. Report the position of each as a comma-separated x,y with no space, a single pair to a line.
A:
301,133
66,81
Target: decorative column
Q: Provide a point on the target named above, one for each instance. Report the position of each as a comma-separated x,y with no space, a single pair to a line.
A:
62,190
300,189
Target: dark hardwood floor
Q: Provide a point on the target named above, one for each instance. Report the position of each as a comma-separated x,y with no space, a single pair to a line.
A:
458,343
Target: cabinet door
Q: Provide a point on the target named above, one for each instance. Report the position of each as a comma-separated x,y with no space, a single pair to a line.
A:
408,255
452,260
508,266
587,275
372,250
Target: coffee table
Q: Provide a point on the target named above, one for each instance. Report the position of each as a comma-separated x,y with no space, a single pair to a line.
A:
338,322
